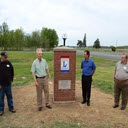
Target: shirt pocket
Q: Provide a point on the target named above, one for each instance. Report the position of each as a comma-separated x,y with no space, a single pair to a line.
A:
37,67
126,69
7,67
90,66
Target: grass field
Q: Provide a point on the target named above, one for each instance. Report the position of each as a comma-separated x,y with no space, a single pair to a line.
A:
22,61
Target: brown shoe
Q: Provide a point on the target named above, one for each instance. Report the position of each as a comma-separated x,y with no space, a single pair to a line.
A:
40,108
13,110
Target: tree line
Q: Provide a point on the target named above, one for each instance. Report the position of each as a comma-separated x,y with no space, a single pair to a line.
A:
82,44
18,39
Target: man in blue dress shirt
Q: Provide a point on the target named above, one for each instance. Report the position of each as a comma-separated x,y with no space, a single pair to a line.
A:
88,69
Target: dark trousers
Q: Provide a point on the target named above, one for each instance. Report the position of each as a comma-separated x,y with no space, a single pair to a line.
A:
118,88
6,90
86,87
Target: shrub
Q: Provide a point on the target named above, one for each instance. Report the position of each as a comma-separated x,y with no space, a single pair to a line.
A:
113,48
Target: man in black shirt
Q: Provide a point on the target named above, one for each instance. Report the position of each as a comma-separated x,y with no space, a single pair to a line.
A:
6,79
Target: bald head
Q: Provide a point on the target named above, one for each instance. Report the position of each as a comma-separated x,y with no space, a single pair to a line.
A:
38,50
39,53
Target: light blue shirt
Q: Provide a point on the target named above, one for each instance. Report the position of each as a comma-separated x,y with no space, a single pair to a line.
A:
39,67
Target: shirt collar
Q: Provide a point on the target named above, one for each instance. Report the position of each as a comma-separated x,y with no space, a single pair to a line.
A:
87,60
124,64
39,60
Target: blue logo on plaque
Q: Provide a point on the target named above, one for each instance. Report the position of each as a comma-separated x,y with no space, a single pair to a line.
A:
65,64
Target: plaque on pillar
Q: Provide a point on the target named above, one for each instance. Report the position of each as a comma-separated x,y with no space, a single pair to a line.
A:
64,84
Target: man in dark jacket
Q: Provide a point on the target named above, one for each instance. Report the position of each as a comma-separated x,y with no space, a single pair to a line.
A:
6,79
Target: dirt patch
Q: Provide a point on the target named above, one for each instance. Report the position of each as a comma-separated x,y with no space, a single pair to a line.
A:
100,113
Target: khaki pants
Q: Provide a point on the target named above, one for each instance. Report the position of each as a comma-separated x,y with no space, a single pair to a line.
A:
43,85
118,88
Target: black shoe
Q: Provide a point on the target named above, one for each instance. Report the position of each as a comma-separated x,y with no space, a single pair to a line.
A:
13,110
83,102
122,108
48,106
88,103
1,113
115,106
40,108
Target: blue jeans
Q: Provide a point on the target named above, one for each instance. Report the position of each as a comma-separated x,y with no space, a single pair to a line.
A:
6,90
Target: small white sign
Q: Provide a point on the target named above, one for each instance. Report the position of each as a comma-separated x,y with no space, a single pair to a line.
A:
125,68
64,84
65,64
8,65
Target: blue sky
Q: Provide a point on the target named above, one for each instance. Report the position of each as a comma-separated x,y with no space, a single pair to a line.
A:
103,19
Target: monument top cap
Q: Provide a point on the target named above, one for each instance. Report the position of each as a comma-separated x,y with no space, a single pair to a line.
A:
64,49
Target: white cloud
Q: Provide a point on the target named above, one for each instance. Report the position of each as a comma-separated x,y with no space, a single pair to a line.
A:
103,19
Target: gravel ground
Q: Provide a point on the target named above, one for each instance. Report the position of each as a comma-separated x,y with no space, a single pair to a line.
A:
113,56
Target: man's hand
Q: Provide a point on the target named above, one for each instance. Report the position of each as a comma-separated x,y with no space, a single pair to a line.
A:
50,79
114,75
35,79
36,84
93,72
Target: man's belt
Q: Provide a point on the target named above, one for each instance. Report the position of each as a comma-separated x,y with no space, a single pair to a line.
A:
88,76
121,80
40,77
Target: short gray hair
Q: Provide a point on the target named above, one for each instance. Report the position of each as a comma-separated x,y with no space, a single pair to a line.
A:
38,50
125,56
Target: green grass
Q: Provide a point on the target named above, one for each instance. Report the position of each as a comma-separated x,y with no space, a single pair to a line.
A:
22,61
54,125
18,127
64,125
